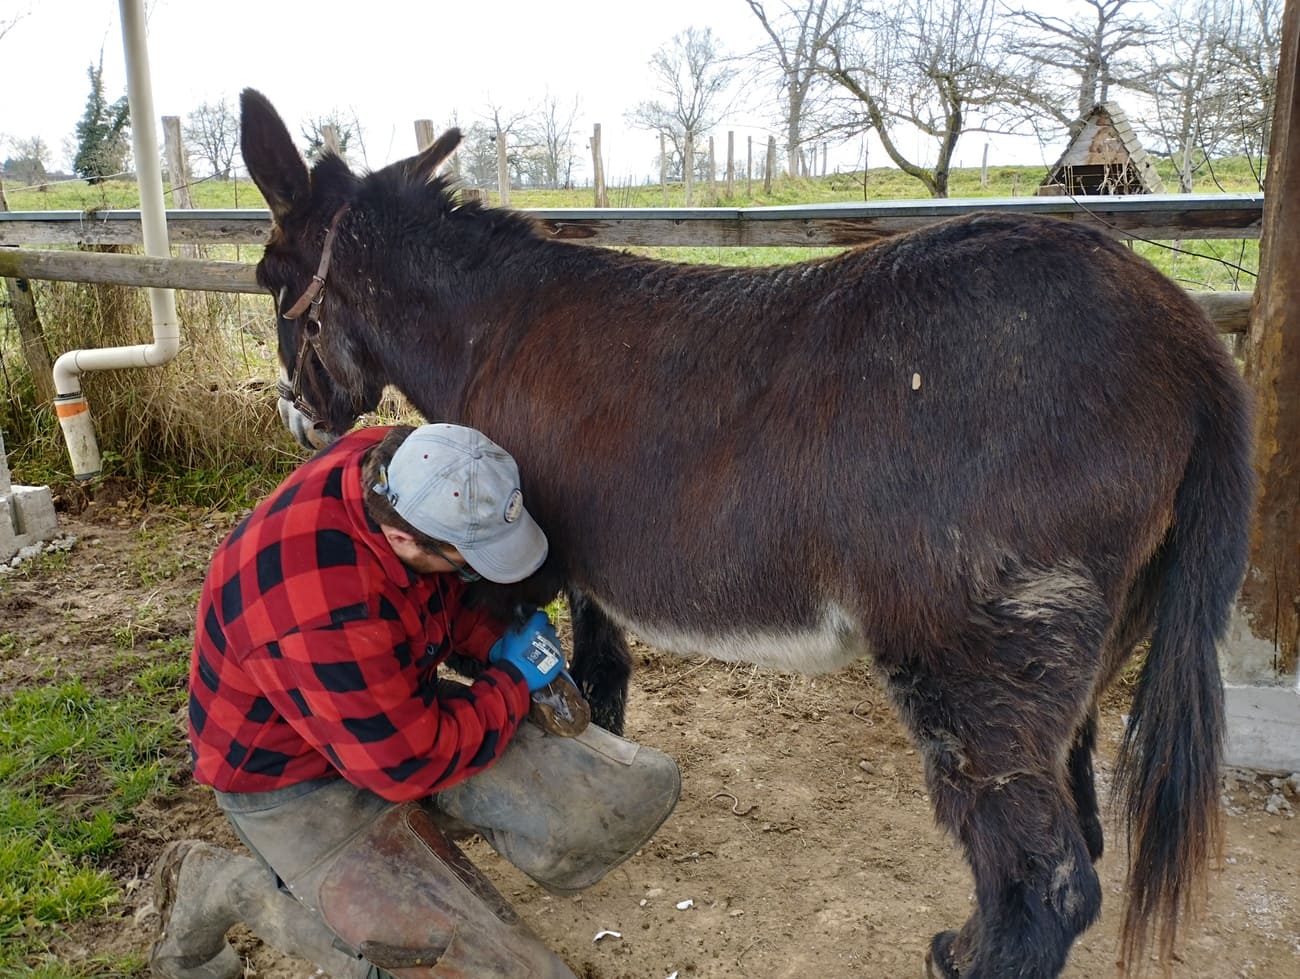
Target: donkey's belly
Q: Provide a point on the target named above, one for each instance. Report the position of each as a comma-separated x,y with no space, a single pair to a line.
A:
833,641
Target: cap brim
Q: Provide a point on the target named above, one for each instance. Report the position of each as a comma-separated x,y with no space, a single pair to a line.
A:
511,557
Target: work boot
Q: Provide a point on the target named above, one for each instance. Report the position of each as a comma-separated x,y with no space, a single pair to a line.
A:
194,914
201,891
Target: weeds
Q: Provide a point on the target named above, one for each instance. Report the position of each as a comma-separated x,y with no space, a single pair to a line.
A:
73,764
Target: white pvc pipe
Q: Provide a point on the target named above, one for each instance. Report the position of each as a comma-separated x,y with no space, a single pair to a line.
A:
69,403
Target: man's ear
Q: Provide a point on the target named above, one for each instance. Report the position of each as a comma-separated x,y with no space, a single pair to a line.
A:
395,536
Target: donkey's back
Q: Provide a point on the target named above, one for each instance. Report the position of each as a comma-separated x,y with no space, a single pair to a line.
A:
853,448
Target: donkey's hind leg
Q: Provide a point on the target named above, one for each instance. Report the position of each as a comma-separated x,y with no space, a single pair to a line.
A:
995,717
602,664
1083,785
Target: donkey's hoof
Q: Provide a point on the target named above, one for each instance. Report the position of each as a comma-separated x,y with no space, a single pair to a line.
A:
939,958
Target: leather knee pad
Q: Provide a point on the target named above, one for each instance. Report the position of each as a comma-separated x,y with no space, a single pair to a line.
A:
407,899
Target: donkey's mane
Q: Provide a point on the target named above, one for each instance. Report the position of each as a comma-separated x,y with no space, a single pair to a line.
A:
398,193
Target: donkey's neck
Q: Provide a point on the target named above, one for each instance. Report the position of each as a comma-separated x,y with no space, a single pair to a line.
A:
460,297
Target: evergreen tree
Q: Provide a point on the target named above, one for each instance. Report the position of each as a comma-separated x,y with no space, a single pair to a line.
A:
102,133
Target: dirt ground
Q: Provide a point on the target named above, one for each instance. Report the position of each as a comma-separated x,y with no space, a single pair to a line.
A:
803,841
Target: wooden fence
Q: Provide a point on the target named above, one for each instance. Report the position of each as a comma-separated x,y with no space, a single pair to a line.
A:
1220,216
1161,218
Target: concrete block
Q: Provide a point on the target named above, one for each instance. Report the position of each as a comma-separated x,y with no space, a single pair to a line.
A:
1263,728
34,512
9,542
26,517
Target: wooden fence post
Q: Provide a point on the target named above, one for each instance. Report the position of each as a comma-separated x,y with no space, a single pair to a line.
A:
1271,594
598,168
713,174
177,169
503,170
423,134
749,168
178,172
771,164
688,168
31,337
1263,718
731,164
663,167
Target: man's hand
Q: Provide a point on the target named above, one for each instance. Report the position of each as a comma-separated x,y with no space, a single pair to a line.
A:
533,648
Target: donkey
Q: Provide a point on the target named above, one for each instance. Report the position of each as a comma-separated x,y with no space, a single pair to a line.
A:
992,455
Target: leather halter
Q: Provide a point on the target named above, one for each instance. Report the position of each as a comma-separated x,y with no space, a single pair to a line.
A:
312,295
310,302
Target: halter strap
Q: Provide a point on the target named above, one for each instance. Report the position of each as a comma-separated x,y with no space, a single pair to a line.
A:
318,280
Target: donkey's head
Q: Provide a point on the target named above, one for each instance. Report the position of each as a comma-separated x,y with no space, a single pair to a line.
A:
329,372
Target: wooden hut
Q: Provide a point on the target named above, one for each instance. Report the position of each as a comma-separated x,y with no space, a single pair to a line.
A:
1104,157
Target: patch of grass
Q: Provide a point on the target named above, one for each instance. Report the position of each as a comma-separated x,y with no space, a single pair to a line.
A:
73,764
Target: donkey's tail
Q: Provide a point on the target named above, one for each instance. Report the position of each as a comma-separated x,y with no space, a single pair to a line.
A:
1168,766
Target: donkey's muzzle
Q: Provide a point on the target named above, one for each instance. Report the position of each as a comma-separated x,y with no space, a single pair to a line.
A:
306,432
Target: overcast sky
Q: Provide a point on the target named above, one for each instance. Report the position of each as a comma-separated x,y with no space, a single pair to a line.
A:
389,62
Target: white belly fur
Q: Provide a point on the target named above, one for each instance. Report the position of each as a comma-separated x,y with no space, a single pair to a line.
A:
833,643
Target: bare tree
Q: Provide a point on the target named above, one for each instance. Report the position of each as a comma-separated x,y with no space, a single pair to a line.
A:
1075,59
550,133
10,21
930,67
693,75
212,135
29,161
1252,41
801,37
478,156
512,126
1194,108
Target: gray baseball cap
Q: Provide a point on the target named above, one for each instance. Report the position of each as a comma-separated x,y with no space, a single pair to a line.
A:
457,485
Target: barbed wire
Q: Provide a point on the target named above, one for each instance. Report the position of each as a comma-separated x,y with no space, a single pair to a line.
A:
1157,244
66,180
193,182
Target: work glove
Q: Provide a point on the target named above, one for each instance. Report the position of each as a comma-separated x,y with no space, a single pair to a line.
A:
533,648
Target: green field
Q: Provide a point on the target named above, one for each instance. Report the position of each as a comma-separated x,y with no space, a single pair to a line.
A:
878,184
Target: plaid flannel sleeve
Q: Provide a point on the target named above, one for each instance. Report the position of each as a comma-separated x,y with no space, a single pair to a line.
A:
355,692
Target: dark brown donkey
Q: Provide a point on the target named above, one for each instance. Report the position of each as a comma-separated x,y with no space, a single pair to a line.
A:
992,455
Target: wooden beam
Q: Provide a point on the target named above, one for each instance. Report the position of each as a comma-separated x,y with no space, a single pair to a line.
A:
1228,310
1160,218
1270,597
130,270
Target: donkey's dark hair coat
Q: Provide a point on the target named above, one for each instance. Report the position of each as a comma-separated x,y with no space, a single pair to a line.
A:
993,455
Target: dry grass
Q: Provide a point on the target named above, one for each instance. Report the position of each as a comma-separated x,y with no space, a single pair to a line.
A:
209,412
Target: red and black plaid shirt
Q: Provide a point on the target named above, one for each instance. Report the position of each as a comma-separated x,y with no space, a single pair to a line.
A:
316,649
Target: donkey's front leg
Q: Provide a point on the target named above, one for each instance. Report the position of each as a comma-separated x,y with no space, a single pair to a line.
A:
601,663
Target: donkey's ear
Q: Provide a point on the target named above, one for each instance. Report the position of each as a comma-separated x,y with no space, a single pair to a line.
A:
424,166
273,161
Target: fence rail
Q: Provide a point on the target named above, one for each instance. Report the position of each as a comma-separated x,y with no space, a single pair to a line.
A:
1228,310
1159,217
